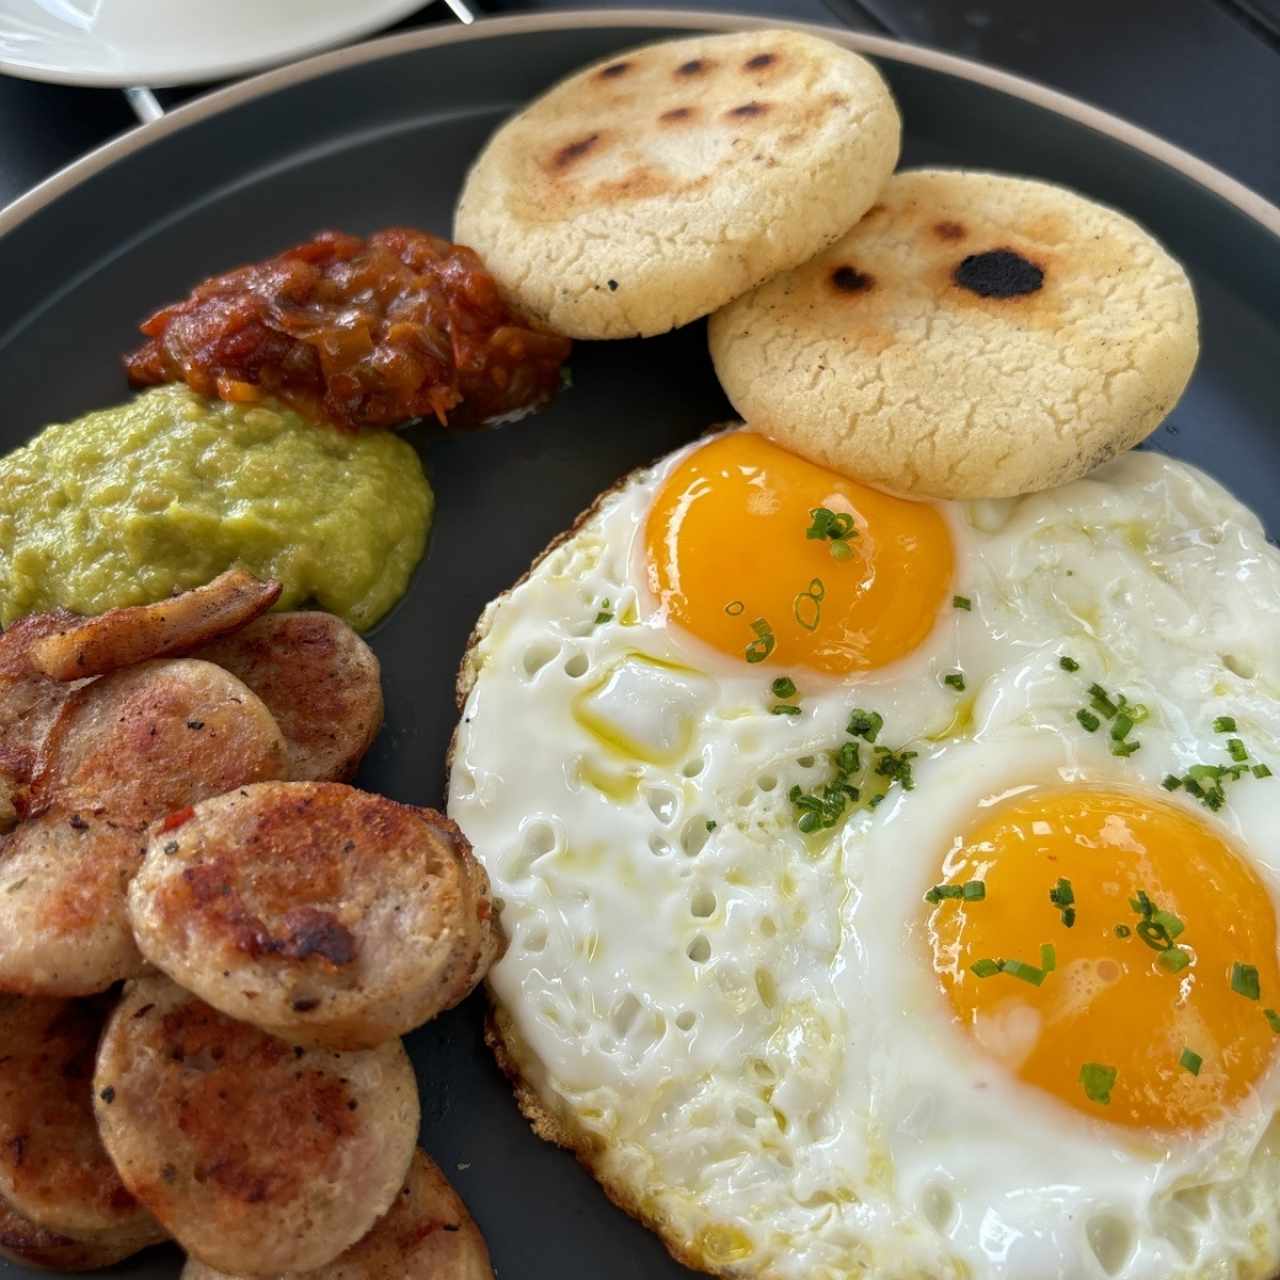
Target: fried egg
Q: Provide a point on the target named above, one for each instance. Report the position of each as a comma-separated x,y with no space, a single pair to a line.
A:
890,887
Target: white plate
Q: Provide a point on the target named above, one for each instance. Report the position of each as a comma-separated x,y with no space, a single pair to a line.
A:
116,43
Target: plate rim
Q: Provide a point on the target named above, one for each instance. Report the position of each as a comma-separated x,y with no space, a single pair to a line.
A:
360,24
1236,193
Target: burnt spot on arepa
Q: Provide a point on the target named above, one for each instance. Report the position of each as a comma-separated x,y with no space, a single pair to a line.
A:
747,111
676,114
694,67
572,151
847,279
760,61
613,70
949,230
999,273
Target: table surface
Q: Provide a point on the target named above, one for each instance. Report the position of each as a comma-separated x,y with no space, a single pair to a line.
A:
1204,74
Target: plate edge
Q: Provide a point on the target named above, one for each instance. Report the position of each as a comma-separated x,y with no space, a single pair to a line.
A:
360,31
1199,171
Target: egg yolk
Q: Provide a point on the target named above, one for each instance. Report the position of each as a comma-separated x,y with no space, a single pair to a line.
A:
1111,1020
730,560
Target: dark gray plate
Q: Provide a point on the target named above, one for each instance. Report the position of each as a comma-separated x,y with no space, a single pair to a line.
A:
383,134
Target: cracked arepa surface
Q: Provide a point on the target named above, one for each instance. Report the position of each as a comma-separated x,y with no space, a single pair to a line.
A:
974,336
648,190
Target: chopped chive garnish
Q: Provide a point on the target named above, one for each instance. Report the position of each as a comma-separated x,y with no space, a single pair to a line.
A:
1171,782
1063,897
835,526
762,646
1098,1081
1261,771
1244,981
783,687
896,766
825,805
1068,664
1224,724
605,614
1273,1018
1120,726
1125,748
807,606
784,709
1235,749
1027,972
1122,931
1190,1061
1100,701
954,680
1088,719
711,824
865,724
1020,969
970,891
1158,929
961,602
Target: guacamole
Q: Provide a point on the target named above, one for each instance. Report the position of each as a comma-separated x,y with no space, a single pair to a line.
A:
130,504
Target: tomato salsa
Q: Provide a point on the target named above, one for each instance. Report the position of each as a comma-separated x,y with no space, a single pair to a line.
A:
360,332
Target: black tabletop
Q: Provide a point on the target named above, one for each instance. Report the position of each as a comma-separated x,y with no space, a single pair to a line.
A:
1204,74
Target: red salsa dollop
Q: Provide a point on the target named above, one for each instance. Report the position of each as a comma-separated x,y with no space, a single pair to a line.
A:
362,333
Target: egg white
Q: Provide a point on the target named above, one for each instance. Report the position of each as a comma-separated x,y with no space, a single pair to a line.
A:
744,1019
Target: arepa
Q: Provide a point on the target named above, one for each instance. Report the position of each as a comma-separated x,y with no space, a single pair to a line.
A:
974,336
650,189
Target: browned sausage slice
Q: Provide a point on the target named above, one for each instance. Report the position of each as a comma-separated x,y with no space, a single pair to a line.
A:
124,750
427,1235
255,1154
320,681
122,637
320,913
53,1168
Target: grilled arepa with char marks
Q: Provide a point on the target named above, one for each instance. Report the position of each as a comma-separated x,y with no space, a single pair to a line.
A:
317,912
53,1168
320,681
259,1156
124,750
29,1245
427,1234
648,190
974,336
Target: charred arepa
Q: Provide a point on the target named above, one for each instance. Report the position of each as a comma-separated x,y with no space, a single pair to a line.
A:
322,914
974,336
426,1235
54,1171
257,1155
650,189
